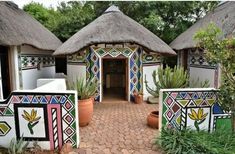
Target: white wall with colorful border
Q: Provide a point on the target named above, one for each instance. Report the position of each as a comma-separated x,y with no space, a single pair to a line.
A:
50,118
194,108
199,68
35,64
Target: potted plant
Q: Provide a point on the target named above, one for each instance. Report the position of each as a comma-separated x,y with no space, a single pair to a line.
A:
152,119
86,91
138,97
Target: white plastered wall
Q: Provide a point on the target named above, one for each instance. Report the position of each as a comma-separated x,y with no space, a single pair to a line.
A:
75,71
148,71
202,74
30,76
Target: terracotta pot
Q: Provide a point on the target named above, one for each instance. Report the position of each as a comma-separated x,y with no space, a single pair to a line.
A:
85,109
138,98
153,119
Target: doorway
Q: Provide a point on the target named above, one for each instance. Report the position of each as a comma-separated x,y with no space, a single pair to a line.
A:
5,74
115,79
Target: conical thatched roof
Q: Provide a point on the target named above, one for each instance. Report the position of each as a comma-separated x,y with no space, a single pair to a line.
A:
17,28
223,16
114,27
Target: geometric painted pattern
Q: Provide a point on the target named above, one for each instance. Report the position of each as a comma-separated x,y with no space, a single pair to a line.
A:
113,51
4,128
32,61
151,58
175,105
60,121
93,70
198,59
136,73
78,57
93,58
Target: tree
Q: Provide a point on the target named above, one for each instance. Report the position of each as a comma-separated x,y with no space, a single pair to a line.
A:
165,19
221,52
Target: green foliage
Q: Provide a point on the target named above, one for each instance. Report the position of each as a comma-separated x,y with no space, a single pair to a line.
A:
85,89
165,19
167,78
17,146
193,142
221,51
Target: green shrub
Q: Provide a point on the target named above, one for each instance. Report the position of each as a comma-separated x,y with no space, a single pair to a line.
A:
193,142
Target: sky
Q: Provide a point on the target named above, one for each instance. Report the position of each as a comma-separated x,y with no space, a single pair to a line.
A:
46,3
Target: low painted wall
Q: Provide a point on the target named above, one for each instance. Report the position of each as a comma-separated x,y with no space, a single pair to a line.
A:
50,118
192,108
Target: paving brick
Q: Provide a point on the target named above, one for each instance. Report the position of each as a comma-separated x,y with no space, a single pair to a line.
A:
119,127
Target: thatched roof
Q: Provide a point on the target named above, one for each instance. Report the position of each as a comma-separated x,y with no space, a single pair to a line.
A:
114,27
223,16
17,28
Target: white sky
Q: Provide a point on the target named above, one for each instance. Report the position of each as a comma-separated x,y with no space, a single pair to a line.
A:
46,3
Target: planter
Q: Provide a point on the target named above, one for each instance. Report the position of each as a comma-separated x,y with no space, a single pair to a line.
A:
85,109
153,119
138,98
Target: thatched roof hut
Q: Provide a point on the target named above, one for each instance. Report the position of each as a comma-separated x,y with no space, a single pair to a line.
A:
223,16
17,28
114,27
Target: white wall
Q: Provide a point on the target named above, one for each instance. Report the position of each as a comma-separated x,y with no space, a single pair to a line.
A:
147,71
30,76
75,71
203,74
49,85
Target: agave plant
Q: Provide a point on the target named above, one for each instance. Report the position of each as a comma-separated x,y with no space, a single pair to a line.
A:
167,78
17,146
85,89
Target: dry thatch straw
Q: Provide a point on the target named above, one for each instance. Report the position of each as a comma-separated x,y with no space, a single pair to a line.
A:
223,16
114,27
17,28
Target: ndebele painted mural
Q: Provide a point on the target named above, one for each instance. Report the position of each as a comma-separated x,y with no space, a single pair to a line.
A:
198,109
48,118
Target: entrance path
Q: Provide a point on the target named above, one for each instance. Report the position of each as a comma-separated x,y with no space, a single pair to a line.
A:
119,127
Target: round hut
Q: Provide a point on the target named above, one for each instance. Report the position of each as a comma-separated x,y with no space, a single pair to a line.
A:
117,51
26,48
193,59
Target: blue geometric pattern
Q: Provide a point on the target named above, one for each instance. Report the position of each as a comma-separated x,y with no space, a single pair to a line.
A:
93,70
136,73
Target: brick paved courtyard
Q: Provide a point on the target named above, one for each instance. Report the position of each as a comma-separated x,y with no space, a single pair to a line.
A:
119,127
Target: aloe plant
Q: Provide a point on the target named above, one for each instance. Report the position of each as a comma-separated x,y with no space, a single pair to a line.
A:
167,78
85,89
17,146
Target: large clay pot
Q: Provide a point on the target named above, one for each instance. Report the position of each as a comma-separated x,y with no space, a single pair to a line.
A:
153,119
138,98
85,109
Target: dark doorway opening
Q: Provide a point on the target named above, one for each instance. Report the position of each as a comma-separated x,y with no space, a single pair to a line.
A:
5,74
61,65
114,79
